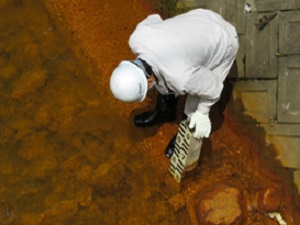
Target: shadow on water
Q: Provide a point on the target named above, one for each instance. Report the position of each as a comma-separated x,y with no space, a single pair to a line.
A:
65,155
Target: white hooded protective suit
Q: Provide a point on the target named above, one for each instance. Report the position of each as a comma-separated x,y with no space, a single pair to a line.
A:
190,54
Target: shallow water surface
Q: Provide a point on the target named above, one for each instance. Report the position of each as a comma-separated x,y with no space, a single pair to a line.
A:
65,155
69,153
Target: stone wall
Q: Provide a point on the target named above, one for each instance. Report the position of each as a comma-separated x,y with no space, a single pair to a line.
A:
266,75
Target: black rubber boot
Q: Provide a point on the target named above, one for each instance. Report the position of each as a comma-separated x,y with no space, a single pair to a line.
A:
165,111
171,147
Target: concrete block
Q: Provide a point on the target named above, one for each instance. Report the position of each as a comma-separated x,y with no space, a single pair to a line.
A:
261,47
232,11
297,179
288,90
289,32
292,130
258,99
192,4
288,150
273,5
241,17
238,67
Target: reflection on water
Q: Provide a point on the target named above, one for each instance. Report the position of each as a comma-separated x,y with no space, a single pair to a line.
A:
65,157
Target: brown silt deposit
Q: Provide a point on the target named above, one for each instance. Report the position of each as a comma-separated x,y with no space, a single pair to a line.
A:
221,205
268,199
70,153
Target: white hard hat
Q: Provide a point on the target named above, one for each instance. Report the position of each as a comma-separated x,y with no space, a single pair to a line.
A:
128,83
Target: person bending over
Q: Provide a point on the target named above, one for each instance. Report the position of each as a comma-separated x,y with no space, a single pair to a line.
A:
189,54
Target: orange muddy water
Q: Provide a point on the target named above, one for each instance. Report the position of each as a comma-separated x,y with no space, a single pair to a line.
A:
69,153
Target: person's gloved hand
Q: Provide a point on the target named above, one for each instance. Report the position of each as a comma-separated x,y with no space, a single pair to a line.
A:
201,123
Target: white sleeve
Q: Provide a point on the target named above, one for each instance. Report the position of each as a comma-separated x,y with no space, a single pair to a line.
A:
151,19
207,86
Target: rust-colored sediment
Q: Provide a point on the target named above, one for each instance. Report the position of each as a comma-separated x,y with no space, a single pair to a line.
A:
103,30
72,154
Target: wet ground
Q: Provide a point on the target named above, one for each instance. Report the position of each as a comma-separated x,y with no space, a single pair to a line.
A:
69,152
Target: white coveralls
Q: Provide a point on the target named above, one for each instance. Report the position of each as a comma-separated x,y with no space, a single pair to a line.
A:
189,54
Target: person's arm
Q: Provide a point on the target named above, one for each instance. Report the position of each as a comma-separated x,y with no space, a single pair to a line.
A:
208,87
151,19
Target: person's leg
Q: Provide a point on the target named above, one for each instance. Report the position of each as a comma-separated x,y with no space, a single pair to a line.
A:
171,147
190,106
165,111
